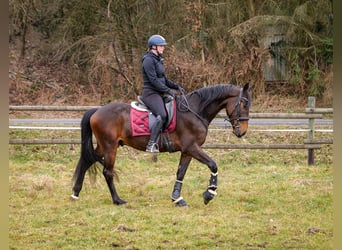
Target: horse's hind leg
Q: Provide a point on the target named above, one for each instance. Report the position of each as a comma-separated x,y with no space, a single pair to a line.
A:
176,193
108,173
81,169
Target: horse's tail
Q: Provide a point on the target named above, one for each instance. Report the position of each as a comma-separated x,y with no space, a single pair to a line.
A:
88,155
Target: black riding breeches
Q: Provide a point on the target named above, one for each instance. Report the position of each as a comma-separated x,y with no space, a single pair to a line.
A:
155,103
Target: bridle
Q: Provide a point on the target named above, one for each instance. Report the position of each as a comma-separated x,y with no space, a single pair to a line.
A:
237,107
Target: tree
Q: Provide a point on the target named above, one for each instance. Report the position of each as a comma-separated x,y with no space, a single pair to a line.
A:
210,41
20,19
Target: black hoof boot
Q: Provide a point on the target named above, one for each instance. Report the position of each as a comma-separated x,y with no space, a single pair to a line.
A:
179,202
208,195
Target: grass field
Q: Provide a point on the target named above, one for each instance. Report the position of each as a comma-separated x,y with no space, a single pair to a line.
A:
266,199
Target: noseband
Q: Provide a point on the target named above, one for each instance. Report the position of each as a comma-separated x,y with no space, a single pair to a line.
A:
237,107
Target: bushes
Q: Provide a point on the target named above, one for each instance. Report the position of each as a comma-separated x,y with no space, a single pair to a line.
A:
101,42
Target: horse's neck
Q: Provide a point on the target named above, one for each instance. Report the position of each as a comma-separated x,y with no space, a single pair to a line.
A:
210,112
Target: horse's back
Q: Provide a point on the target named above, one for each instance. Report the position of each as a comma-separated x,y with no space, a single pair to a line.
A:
110,116
111,127
111,110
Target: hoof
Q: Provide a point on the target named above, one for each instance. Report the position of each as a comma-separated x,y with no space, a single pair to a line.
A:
208,195
73,197
179,202
120,202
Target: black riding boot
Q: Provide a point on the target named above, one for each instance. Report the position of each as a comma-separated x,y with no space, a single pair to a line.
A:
152,145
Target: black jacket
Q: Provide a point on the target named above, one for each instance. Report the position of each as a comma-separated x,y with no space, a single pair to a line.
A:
154,74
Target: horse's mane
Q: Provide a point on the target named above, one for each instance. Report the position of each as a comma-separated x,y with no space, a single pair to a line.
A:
208,94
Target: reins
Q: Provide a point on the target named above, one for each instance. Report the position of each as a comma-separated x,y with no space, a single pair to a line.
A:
187,106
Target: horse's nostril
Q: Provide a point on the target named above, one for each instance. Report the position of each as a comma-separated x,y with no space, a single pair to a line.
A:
238,133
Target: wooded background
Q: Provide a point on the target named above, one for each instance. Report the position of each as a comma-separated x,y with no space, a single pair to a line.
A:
94,47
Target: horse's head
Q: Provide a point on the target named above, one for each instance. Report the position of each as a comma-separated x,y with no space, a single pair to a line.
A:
238,111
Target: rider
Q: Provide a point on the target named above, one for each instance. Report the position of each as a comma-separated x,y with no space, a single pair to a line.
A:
155,86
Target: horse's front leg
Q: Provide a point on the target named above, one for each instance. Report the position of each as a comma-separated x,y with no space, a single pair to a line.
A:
108,173
176,193
210,193
201,156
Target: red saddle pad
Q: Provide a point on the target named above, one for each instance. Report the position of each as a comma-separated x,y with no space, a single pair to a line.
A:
139,122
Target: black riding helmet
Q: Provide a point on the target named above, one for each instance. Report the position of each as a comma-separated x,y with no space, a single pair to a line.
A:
156,40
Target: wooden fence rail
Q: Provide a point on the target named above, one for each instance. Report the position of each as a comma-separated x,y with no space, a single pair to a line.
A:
306,115
314,145
311,113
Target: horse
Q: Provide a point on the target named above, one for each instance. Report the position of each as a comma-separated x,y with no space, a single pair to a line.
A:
110,124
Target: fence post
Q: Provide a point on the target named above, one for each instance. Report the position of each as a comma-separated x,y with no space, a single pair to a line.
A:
311,154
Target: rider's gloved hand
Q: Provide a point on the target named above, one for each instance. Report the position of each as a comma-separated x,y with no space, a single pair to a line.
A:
171,93
181,89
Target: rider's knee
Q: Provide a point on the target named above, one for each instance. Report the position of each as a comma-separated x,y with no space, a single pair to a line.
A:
161,118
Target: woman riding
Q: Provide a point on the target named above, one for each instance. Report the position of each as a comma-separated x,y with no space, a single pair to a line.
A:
156,85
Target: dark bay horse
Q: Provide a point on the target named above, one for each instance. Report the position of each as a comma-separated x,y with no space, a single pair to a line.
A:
110,125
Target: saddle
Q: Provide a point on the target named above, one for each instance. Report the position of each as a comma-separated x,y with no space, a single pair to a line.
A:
142,119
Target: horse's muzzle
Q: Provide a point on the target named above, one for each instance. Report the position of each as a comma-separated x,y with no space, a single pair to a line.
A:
240,130
238,133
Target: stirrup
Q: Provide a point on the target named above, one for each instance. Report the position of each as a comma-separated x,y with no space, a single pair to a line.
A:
153,148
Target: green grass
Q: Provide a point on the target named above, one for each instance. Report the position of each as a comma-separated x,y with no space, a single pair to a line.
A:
266,199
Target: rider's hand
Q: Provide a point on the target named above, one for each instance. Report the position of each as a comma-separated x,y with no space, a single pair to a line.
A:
171,93
181,89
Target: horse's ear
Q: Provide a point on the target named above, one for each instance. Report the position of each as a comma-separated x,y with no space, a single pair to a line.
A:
248,86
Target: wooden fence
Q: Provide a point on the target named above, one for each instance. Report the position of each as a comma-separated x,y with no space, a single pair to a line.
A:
311,114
